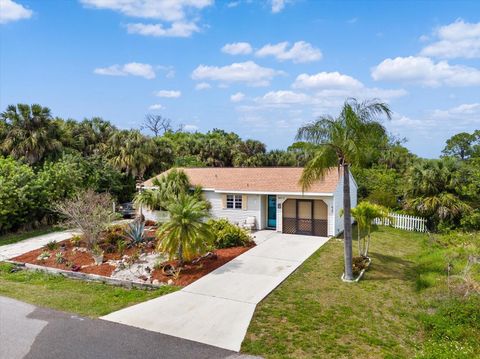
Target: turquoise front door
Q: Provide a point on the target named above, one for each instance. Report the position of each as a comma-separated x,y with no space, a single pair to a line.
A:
272,212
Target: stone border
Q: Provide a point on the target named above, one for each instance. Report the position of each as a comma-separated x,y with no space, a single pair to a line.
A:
87,276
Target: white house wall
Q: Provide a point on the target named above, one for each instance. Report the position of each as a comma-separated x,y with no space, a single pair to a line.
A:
235,215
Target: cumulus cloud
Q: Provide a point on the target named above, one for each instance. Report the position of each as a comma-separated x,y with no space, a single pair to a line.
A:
168,93
237,48
132,68
278,5
177,29
467,113
202,86
244,72
299,52
237,97
424,71
283,98
457,40
11,11
156,107
326,80
176,15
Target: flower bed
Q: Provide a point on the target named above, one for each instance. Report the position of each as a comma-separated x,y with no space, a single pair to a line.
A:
136,262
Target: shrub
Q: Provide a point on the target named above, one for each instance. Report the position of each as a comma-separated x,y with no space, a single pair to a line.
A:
51,246
113,234
471,222
228,235
76,241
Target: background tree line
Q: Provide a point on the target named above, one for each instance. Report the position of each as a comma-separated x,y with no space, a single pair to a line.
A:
46,158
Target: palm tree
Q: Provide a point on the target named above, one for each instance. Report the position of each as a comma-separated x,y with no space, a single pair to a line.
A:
168,188
131,151
364,214
29,133
186,234
342,142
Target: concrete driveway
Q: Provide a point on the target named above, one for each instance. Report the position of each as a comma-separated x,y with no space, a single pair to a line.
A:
217,308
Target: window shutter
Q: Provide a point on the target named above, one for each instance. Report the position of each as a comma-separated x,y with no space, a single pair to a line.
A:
244,202
224,201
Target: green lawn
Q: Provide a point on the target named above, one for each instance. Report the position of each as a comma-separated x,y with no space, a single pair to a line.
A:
17,237
76,296
396,311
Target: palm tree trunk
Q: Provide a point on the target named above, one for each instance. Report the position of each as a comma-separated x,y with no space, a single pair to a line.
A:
180,255
347,223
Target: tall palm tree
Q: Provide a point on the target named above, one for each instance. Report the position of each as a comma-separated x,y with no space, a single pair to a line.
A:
131,151
342,142
186,234
29,133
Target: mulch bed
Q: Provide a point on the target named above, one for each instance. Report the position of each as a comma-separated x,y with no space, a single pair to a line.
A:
189,273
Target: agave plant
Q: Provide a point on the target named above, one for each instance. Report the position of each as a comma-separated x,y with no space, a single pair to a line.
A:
135,232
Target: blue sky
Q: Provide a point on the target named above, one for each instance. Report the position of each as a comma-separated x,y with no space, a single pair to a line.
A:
259,68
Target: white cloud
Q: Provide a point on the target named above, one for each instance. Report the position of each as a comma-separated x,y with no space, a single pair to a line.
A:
278,5
245,72
424,71
300,52
177,29
237,48
468,112
283,97
168,93
170,11
457,40
237,97
178,15
132,68
11,11
202,86
329,80
156,107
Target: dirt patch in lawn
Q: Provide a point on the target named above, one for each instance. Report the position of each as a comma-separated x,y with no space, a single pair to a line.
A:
80,260
193,271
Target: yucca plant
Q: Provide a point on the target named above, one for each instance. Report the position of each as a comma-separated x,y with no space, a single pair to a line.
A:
135,232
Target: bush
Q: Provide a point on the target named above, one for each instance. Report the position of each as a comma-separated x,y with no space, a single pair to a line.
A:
228,235
471,222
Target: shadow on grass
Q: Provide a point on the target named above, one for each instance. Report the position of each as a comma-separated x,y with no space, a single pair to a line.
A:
385,267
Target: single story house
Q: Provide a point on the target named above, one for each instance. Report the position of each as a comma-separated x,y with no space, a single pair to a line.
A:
273,197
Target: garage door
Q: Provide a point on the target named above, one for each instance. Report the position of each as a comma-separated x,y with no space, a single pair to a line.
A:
305,216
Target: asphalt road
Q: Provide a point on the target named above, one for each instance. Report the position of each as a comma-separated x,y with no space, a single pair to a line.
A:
30,332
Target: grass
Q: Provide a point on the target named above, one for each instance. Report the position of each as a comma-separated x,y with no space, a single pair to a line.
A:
396,311
20,236
75,296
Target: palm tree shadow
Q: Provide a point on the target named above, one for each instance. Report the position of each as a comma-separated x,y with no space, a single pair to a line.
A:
385,267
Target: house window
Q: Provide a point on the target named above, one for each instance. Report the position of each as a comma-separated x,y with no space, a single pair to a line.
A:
234,201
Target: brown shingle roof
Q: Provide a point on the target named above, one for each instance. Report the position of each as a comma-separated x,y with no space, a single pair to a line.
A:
257,179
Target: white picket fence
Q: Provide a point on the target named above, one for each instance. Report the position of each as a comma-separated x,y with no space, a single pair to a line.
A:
403,221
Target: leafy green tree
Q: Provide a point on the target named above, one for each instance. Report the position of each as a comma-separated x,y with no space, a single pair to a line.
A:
185,235
460,145
342,142
19,197
29,133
